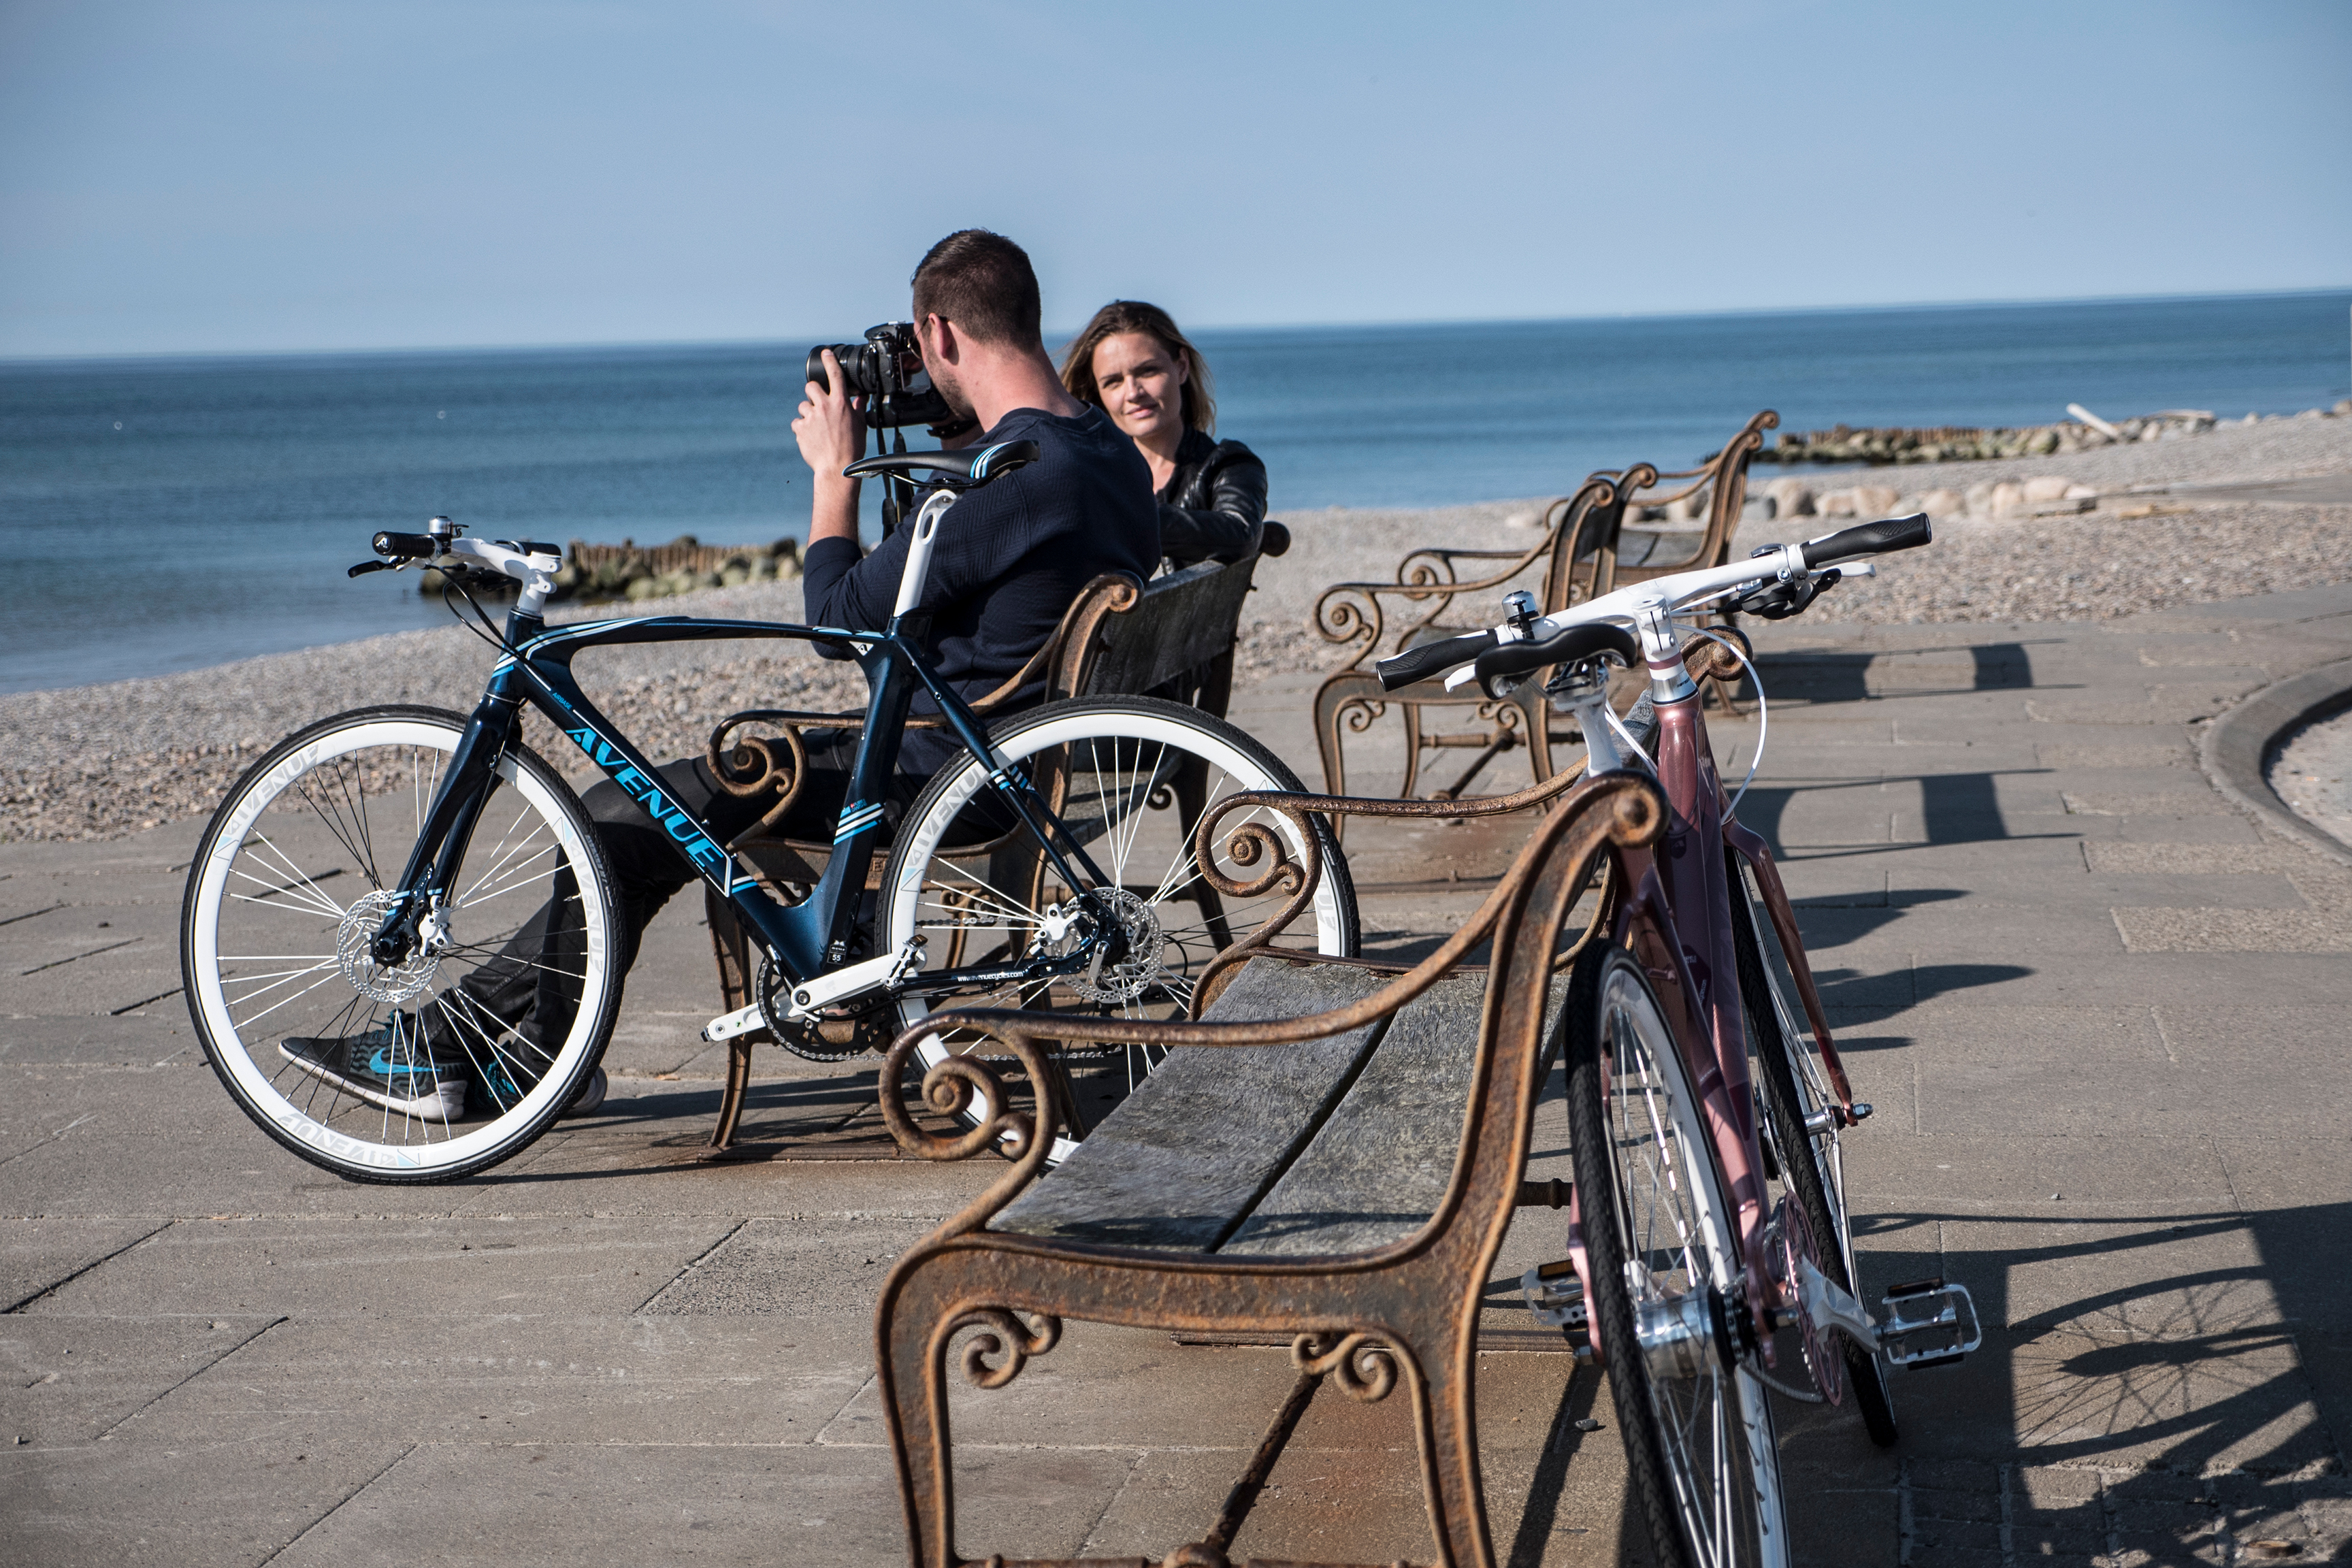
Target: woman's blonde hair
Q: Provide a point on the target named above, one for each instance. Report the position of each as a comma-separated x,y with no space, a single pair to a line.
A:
1135,316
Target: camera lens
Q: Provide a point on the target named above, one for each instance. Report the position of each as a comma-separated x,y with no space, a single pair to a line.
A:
861,367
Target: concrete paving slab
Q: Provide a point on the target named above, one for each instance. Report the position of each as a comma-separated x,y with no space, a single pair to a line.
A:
71,1379
449,1378
2151,1403
225,1504
794,1267
216,1161
145,1038
501,1506
2177,1277
377,1270
36,1256
1892,1171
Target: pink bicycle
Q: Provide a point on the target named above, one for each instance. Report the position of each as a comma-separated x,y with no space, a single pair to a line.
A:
1709,1229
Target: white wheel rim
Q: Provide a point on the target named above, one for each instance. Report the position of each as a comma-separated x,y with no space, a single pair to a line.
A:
235,1053
1667,1102
1246,771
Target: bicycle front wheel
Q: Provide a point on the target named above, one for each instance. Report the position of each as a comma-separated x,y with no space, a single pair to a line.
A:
461,1054
1662,1251
1131,778
1786,1063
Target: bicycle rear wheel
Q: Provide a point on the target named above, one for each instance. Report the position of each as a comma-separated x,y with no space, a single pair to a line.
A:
1663,1254
1786,1061
414,1072
1136,775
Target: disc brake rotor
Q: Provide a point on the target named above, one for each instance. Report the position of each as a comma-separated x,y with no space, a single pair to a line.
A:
354,941
1132,975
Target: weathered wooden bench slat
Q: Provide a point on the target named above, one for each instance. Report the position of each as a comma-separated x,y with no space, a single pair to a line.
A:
1186,1156
1375,1173
1378,1167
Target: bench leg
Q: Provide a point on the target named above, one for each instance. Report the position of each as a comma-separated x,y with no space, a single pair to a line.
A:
731,1099
926,1301
732,951
1447,1420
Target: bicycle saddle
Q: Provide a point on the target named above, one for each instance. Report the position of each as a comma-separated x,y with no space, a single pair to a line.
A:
964,470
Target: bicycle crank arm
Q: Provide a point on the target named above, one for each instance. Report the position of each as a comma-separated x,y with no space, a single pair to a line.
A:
1926,1323
728,1025
803,1001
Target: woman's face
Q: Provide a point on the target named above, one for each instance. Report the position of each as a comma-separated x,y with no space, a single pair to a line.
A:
1142,387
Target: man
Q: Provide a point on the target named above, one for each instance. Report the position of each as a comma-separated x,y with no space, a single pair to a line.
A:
1010,560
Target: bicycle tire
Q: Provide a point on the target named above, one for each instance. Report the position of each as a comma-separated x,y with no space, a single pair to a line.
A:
1699,1446
925,892
452,1097
1812,1165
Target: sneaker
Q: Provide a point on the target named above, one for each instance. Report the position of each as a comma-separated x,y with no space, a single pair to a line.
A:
590,1098
387,1066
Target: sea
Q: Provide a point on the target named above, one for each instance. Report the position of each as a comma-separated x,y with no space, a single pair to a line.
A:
169,514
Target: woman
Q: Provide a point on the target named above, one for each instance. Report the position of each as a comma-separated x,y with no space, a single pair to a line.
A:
1133,365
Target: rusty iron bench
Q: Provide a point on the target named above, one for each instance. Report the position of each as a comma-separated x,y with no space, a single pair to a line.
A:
1171,637
1330,1154
1587,548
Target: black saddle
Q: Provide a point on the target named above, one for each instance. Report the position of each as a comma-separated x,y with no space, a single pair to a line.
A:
965,470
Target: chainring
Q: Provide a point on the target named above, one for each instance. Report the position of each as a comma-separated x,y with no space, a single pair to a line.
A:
837,1034
1788,1238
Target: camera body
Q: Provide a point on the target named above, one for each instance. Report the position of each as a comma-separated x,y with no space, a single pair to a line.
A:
887,368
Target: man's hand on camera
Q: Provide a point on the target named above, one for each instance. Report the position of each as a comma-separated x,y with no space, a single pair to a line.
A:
831,430
831,425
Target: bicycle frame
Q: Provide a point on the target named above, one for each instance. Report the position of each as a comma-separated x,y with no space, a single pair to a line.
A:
1673,914
805,939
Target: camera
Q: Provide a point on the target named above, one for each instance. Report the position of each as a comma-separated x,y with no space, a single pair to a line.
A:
887,367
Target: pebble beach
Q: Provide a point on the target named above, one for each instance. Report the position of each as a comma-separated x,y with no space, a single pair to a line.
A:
98,762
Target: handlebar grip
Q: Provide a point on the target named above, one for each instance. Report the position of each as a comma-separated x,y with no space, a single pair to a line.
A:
1570,646
1274,541
1431,658
1871,539
406,546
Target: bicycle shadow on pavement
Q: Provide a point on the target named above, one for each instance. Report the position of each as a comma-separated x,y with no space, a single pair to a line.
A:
2147,1385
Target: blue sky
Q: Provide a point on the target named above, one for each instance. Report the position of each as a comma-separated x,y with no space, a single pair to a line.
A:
223,176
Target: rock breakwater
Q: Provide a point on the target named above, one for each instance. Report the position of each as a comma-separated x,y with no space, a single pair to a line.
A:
1953,443
595,573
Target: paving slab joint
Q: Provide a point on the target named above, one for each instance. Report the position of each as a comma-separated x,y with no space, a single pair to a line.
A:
2235,749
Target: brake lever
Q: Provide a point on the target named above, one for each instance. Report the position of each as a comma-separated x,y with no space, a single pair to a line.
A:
364,567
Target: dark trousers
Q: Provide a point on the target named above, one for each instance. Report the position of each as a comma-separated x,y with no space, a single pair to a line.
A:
529,984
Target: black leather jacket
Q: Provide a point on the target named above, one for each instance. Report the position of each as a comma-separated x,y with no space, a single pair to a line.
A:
1213,508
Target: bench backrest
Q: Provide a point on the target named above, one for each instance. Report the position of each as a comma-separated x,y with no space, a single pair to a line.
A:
1175,636
1586,564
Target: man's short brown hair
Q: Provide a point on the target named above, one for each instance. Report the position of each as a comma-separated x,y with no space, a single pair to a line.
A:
984,284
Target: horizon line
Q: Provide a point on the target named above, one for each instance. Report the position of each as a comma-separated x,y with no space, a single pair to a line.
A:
657,344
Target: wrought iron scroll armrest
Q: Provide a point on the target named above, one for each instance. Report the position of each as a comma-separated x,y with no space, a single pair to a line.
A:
1620,810
1350,612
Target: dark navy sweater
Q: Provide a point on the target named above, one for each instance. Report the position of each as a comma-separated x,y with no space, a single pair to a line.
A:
1010,559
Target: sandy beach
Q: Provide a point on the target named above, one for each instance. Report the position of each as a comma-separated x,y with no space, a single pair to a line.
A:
99,762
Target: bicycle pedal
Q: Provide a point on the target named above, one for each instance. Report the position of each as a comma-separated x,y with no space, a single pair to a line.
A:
1927,1323
1556,1295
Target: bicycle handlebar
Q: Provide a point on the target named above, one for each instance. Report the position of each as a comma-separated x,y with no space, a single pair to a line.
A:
1879,538
1544,639
1572,645
1431,658
407,546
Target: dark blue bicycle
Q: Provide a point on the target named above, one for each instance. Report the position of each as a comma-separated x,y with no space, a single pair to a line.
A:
384,893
